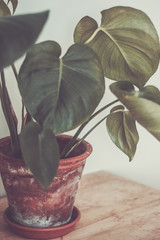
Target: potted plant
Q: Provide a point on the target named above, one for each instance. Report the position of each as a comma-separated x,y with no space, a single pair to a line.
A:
62,93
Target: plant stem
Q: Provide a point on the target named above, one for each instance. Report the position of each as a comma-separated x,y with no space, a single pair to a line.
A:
10,117
16,76
14,71
22,116
77,144
73,140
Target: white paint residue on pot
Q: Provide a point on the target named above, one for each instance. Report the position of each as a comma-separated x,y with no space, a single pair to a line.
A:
40,222
55,203
20,170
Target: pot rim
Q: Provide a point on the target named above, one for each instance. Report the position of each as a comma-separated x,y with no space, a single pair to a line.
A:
63,161
78,157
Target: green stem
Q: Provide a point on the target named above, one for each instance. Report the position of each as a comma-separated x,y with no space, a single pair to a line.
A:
10,117
22,116
77,144
16,76
14,71
73,140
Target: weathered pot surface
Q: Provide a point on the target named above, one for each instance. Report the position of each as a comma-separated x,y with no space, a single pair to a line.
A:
29,204
43,233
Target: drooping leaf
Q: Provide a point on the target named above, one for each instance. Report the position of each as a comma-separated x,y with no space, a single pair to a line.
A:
117,108
144,104
126,43
17,34
61,93
122,130
4,9
40,152
151,93
14,4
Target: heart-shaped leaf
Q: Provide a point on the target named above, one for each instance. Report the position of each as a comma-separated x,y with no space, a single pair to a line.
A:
40,152
143,104
17,34
61,93
126,43
122,130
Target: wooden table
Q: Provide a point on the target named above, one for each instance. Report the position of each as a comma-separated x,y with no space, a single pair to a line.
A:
112,208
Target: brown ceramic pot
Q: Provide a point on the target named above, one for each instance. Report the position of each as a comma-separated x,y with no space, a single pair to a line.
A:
29,204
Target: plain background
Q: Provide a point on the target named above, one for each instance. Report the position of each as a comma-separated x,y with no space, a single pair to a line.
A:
64,15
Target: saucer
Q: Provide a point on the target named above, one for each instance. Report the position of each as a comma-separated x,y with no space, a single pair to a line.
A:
43,233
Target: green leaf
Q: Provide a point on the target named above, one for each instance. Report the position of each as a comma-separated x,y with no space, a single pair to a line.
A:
17,34
126,42
151,93
122,130
144,104
61,93
4,10
14,4
40,152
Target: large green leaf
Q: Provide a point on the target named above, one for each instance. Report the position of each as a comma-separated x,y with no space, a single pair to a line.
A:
61,93
17,34
40,152
126,43
144,104
122,130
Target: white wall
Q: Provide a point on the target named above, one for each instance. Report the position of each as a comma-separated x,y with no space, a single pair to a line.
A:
64,15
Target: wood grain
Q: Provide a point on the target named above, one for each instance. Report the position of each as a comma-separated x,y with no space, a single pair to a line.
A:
112,208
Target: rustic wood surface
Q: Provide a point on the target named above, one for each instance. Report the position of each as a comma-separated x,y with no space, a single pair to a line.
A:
112,208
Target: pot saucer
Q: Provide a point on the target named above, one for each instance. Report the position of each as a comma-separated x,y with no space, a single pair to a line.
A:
43,233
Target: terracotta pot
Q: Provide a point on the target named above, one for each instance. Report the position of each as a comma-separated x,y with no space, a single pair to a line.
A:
29,204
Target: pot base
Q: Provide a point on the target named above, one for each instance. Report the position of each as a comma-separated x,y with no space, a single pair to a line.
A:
43,233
